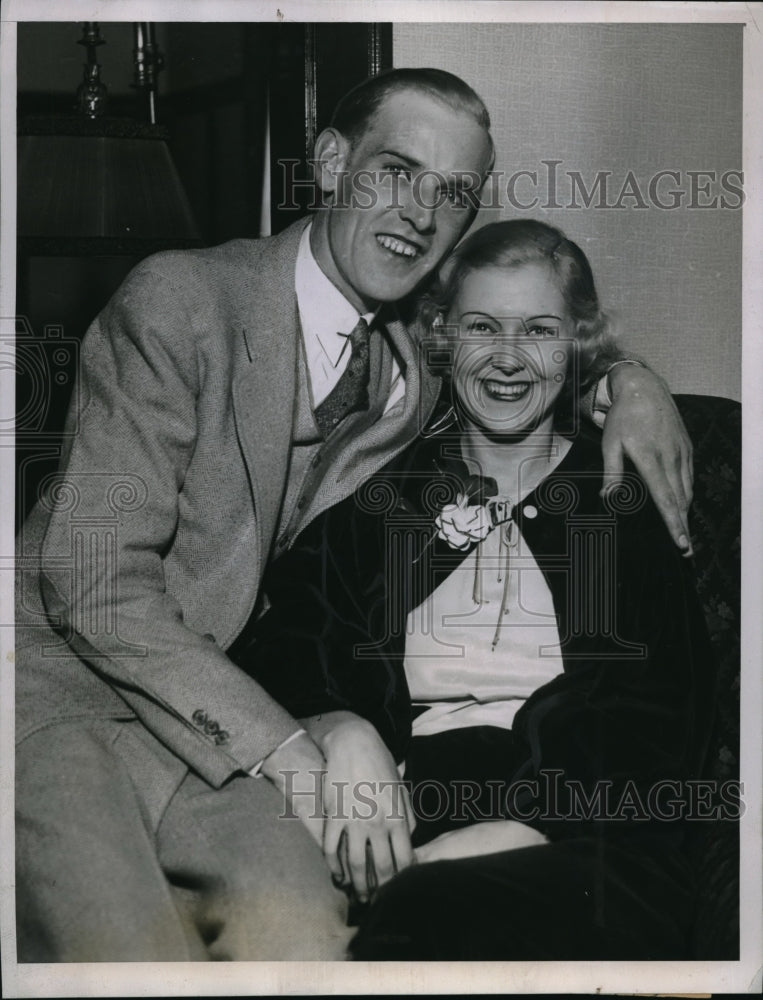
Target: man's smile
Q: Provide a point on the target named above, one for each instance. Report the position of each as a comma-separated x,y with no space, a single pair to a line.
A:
398,245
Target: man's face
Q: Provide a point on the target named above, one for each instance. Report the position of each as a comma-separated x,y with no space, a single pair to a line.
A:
400,207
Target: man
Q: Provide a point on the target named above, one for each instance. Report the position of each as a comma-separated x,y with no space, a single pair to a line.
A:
214,423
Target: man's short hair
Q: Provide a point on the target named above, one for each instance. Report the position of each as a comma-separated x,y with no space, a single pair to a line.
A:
356,110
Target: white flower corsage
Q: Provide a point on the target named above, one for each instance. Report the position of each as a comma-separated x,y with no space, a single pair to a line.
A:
461,524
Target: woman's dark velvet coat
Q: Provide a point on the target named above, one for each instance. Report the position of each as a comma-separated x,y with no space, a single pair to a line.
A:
634,703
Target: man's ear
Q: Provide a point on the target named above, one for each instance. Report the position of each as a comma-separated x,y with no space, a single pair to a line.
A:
331,155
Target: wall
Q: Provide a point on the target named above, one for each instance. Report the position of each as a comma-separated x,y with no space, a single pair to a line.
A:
620,98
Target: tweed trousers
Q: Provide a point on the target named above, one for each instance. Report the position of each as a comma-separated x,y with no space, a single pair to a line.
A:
114,867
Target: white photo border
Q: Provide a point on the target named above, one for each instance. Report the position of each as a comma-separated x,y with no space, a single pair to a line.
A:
262,978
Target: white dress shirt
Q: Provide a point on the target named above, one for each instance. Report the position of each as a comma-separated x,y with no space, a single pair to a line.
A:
327,320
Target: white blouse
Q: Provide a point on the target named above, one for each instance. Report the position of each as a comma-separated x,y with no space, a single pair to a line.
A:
469,663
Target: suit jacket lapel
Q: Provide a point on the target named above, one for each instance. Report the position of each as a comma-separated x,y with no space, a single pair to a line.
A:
264,389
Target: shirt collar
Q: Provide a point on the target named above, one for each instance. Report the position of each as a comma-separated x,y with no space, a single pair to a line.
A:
325,314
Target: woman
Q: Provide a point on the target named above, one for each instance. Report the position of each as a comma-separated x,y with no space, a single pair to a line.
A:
530,650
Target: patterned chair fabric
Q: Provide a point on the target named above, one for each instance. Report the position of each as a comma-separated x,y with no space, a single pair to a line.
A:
714,425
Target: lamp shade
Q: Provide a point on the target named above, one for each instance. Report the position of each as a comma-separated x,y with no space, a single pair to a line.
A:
104,186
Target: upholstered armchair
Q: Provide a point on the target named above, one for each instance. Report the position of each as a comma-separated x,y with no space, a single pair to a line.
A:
714,425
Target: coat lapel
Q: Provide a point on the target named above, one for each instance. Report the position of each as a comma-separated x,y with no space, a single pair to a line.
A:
264,388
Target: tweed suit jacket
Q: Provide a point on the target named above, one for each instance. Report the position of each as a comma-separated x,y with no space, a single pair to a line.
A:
142,560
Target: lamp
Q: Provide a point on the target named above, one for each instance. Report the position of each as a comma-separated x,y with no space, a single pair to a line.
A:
90,184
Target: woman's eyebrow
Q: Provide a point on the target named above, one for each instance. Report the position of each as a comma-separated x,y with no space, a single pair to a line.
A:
476,312
528,319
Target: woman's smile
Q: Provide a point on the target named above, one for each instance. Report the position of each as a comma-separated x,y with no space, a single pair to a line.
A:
499,389
500,382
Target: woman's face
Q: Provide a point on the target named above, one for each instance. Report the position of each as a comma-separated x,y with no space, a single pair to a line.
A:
514,342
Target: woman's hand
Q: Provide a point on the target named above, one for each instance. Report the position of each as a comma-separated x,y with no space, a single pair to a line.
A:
367,830
480,838
644,424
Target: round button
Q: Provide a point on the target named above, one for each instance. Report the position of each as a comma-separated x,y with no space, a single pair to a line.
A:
301,503
530,511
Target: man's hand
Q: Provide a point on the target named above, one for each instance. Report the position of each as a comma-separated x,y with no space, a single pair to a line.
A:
644,424
296,769
367,833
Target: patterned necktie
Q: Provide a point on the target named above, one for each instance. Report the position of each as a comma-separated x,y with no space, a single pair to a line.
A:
350,394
